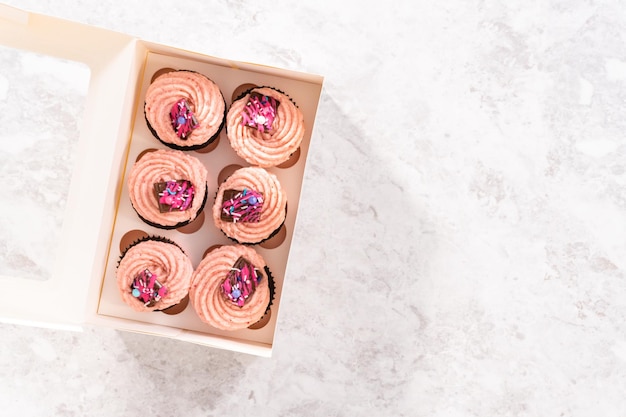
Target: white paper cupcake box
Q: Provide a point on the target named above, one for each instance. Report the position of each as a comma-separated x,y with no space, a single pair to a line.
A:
81,289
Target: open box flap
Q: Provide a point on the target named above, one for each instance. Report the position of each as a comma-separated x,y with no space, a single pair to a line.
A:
60,300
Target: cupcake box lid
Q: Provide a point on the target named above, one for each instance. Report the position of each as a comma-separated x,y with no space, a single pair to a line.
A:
79,287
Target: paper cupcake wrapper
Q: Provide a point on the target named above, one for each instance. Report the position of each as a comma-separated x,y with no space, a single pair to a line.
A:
145,239
243,94
192,147
176,308
274,233
272,285
177,225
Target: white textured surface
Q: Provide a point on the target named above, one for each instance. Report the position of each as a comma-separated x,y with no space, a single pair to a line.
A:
460,249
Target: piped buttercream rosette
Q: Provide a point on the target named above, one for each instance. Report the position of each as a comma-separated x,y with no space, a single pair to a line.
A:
230,288
167,188
153,274
264,127
250,205
184,109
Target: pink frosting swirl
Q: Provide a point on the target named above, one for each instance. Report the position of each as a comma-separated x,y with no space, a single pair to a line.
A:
163,259
206,293
203,97
162,166
272,213
266,148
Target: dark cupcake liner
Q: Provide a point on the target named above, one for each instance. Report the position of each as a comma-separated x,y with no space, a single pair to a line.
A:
192,147
177,225
272,285
243,94
274,233
177,308
146,239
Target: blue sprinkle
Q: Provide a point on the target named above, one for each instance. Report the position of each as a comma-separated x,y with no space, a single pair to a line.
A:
252,199
136,292
236,294
181,120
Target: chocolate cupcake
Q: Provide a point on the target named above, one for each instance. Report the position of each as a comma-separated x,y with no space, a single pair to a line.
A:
154,273
184,110
167,188
264,126
250,205
231,288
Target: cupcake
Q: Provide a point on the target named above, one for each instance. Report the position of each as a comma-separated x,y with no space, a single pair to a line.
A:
264,127
250,205
231,287
167,188
153,274
184,110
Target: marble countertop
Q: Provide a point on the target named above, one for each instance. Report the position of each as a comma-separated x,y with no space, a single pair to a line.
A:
460,248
